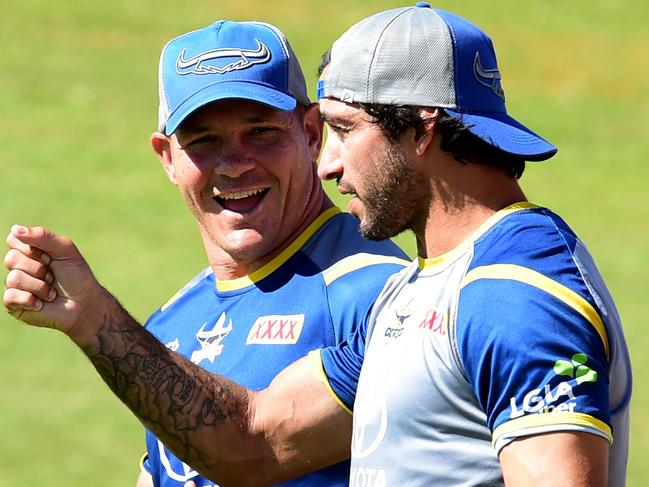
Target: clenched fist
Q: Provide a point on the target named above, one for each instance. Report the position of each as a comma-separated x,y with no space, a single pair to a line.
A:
49,283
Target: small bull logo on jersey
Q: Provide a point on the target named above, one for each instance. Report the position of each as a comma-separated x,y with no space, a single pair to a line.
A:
210,340
488,77
245,58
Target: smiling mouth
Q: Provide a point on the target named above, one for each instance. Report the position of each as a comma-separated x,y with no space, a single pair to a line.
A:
240,201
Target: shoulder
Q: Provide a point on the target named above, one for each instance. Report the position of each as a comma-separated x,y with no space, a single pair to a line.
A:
529,269
535,237
339,249
531,249
527,318
201,282
354,266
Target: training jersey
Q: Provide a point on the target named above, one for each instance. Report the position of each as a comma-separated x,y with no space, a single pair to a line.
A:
512,333
249,329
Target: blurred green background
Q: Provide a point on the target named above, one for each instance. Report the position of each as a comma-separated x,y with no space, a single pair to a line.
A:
78,100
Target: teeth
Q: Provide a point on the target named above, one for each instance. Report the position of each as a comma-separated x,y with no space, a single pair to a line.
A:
237,195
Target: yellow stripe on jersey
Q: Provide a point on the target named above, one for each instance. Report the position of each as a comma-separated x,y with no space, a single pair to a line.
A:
534,421
358,261
427,264
316,363
186,288
172,299
143,459
286,254
544,283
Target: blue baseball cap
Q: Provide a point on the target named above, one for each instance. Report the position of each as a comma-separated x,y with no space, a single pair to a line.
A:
422,56
227,60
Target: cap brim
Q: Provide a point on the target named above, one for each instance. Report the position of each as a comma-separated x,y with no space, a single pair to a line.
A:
238,90
507,134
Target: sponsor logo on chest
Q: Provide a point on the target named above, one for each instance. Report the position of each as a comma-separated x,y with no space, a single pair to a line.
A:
435,321
276,330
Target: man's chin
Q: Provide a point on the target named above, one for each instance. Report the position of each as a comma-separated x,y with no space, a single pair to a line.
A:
376,229
237,241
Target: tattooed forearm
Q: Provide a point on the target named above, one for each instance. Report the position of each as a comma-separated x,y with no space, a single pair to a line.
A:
181,403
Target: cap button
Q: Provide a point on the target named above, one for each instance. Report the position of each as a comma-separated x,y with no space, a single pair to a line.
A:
422,5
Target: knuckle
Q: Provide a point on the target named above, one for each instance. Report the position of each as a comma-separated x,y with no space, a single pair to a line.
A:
13,278
67,242
10,259
9,298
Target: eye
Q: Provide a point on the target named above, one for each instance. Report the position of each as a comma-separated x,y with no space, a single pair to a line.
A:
339,130
265,135
207,139
207,144
263,131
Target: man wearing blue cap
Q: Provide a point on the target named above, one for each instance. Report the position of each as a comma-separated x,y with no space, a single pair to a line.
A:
497,356
240,138
288,271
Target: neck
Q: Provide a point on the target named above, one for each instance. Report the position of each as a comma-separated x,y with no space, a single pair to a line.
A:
463,199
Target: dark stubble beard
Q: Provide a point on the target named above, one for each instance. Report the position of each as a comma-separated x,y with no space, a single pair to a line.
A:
396,197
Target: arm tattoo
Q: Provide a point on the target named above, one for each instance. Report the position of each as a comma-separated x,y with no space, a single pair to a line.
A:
178,401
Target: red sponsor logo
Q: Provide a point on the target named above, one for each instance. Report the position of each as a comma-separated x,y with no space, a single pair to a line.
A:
276,330
434,321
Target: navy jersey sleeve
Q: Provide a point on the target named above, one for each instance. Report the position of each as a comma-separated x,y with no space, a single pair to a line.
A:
535,353
353,285
342,366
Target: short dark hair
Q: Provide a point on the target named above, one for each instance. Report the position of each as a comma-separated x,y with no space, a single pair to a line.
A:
457,140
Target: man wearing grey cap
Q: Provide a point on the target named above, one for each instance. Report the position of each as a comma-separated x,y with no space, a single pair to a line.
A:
497,356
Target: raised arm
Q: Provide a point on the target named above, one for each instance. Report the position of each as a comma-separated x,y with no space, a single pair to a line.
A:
229,434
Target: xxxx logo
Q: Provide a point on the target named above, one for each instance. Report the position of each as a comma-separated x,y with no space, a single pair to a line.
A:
576,369
434,321
276,330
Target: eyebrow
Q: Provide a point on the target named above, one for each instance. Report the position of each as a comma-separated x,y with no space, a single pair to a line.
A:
333,119
190,129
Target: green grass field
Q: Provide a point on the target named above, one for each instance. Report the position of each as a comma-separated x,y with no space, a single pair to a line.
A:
78,100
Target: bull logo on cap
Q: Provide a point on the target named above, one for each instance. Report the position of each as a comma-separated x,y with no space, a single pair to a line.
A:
245,59
488,77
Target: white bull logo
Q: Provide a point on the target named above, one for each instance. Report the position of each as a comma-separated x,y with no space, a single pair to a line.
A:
245,58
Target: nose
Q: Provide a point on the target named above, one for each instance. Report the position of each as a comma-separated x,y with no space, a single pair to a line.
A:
330,165
235,159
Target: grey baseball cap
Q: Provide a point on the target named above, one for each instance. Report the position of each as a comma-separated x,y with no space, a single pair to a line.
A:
422,56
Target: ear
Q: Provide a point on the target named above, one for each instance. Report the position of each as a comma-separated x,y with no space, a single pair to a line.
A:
313,128
161,145
424,141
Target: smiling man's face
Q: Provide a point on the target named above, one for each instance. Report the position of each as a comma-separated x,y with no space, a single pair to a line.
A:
247,173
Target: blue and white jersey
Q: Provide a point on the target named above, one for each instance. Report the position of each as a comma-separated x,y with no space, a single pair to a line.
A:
249,329
513,333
